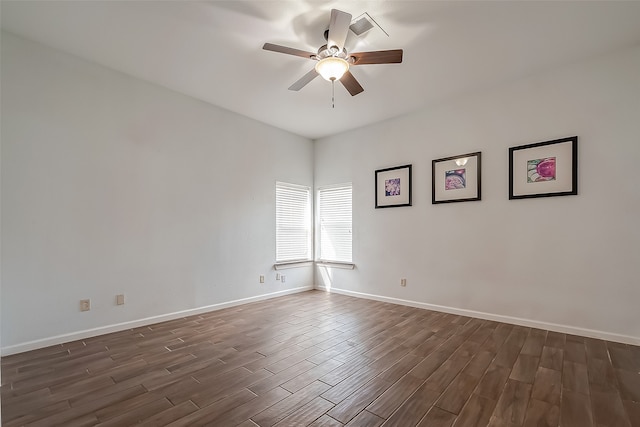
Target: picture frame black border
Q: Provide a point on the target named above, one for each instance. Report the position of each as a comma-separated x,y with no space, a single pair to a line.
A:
574,168
477,154
378,171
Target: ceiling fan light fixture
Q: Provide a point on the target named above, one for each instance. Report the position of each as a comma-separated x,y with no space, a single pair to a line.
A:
332,68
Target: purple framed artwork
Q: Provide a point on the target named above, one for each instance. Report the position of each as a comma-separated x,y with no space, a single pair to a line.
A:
544,169
456,179
393,187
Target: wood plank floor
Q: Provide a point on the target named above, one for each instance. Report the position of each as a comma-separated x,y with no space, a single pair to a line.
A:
324,359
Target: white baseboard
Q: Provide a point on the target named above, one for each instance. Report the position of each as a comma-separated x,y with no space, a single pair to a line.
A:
566,329
87,333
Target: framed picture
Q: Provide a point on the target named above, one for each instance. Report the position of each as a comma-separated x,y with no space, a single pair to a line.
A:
393,187
456,179
544,169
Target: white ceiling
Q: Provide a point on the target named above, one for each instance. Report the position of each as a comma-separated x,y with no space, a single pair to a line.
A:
213,50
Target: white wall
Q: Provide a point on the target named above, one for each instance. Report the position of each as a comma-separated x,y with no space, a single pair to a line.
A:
567,263
0,253
112,185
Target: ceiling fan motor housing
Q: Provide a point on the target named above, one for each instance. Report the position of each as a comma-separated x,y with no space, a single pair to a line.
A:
326,52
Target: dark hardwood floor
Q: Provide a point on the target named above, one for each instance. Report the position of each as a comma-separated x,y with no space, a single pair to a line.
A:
325,360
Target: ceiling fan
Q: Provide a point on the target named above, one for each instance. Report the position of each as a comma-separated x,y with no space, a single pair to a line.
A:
333,60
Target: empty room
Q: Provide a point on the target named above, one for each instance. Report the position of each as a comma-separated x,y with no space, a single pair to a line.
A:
319,213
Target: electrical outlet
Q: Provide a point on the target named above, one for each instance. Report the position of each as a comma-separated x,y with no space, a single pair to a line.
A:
85,304
277,276
120,299
283,278
261,279
403,282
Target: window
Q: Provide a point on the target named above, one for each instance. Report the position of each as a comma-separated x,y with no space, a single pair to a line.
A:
334,222
293,222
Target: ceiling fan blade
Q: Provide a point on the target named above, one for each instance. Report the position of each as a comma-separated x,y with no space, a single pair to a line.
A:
378,57
304,80
351,84
338,28
288,50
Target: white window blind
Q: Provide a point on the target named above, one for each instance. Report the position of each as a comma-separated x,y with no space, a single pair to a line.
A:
293,222
334,218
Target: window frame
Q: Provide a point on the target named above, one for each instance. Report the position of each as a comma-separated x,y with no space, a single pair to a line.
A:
284,261
339,262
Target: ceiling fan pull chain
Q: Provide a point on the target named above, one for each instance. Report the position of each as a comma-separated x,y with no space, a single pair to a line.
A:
333,93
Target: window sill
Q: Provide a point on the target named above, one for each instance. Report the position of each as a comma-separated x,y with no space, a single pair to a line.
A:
296,264
337,264
291,264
